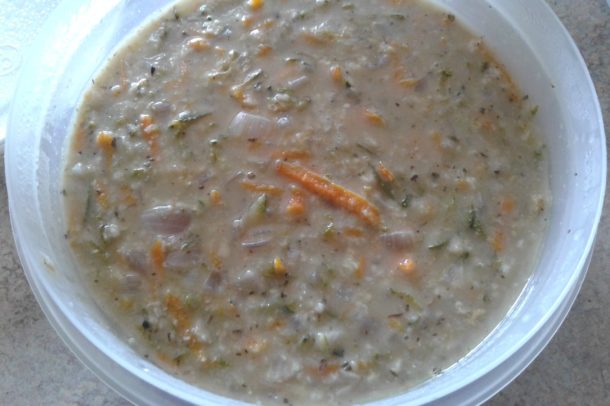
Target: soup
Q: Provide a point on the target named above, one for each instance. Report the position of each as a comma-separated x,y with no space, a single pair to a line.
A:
305,202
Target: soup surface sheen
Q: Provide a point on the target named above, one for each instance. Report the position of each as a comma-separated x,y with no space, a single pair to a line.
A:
305,201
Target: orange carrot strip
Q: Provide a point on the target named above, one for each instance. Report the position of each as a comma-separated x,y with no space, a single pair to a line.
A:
331,192
157,255
177,310
255,187
150,133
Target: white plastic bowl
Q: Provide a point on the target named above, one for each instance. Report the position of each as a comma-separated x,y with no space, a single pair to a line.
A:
527,38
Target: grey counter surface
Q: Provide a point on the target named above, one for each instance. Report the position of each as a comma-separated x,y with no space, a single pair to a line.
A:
36,368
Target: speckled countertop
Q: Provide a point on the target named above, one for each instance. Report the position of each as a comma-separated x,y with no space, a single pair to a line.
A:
36,368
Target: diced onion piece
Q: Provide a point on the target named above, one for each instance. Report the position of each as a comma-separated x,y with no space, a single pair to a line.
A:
130,282
258,237
298,82
166,220
251,244
398,239
248,126
182,258
137,261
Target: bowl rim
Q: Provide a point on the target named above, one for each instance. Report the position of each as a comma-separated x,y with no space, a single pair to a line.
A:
63,322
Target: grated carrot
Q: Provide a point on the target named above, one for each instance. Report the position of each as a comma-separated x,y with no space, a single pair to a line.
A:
462,185
105,141
353,232
256,4
247,21
255,187
127,196
408,83
100,194
336,74
263,50
215,197
296,204
150,132
317,39
198,44
278,266
384,173
157,256
323,370
497,241
407,266
290,155
176,309
331,192
360,269
507,205
374,118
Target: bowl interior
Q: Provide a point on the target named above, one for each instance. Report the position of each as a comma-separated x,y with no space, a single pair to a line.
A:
525,36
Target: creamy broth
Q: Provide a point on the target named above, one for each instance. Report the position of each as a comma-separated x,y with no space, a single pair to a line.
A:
305,201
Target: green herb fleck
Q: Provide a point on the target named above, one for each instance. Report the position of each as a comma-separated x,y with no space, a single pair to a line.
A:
407,299
446,74
329,231
437,245
88,206
473,222
185,120
138,173
385,186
